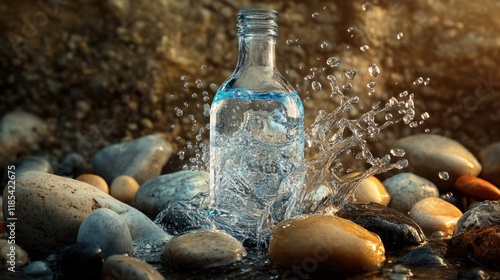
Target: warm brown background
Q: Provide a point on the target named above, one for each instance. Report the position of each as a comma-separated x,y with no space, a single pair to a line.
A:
77,63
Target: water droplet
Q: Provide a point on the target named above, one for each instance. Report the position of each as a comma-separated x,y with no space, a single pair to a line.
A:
186,85
427,130
427,81
425,116
400,35
213,86
183,77
366,6
206,109
403,94
371,84
206,98
315,15
350,29
419,81
194,95
333,61
364,48
178,111
350,74
443,175
316,86
413,124
324,45
289,42
347,86
397,152
181,155
203,67
388,116
374,70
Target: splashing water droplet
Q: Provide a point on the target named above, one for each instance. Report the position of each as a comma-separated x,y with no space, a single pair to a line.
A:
388,116
374,70
289,42
186,85
427,130
183,77
213,86
181,155
206,98
350,29
371,84
400,35
413,124
178,111
364,48
427,81
315,15
403,94
324,45
419,81
350,74
203,67
425,116
443,175
333,61
347,86
397,152
366,6
316,86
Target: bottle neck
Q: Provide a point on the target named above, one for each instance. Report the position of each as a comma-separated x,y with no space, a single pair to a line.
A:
256,50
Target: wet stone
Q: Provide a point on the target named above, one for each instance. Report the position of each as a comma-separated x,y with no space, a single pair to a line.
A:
430,154
120,267
19,260
371,190
325,241
32,164
155,194
80,261
108,230
94,180
484,215
482,245
477,188
424,256
142,158
179,217
433,214
472,274
396,230
490,159
406,189
37,268
124,188
203,249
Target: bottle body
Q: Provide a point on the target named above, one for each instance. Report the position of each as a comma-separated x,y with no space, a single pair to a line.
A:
256,139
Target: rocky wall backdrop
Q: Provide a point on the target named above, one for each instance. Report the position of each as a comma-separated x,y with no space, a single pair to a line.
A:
99,72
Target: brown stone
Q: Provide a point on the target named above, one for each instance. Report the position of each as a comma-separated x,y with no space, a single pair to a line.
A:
434,214
482,245
124,188
119,267
477,188
94,180
371,190
325,243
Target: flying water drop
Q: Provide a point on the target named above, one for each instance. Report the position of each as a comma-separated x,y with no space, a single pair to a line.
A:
374,70
333,61
443,175
316,86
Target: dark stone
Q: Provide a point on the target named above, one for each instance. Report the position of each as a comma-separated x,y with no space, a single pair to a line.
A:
424,256
396,230
471,274
481,245
484,215
73,165
81,261
179,217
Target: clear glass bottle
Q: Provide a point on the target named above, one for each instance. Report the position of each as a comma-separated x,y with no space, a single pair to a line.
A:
256,131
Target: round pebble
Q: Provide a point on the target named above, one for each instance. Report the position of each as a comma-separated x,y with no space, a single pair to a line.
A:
406,189
477,188
80,261
320,242
433,214
203,249
12,258
371,190
425,257
124,188
482,245
120,267
483,215
94,180
37,268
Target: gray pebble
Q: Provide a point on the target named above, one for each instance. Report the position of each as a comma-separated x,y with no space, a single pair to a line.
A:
32,164
37,268
108,230
406,189
484,215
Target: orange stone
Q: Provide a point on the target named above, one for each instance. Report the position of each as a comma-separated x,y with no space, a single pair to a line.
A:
477,188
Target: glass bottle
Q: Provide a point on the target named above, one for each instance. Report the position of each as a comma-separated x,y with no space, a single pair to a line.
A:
256,132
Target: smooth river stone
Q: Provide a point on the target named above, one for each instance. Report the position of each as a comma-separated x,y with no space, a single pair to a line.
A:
120,267
20,132
396,230
490,159
108,230
430,154
32,164
424,256
477,188
50,209
406,189
370,190
433,214
155,195
484,215
203,249
80,261
142,158
124,188
94,180
325,243
482,245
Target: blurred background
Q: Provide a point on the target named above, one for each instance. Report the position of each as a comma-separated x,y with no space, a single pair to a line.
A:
101,72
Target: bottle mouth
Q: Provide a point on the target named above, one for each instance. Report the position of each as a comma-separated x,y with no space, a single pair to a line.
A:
257,21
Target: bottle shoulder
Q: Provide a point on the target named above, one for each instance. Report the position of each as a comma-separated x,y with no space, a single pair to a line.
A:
257,79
